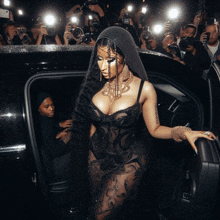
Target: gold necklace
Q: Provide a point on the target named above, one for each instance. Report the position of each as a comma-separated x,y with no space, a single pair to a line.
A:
115,89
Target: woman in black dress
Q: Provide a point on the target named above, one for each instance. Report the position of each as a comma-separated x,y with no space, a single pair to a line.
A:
115,99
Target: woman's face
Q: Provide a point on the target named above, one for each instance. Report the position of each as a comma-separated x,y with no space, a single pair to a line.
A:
107,62
47,108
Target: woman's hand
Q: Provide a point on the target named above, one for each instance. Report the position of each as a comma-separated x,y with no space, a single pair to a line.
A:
192,136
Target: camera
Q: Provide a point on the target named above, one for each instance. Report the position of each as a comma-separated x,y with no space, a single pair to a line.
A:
126,18
77,32
95,24
207,37
147,35
22,33
174,49
185,42
143,19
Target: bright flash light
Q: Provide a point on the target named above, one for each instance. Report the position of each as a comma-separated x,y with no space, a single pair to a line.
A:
50,20
158,28
173,13
7,2
144,10
130,7
90,17
74,20
20,12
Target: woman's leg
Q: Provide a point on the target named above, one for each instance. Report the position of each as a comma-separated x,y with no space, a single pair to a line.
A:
116,190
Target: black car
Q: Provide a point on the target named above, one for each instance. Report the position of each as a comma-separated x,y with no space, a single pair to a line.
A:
178,184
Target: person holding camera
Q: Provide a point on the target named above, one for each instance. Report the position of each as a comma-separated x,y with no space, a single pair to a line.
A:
127,21
24,35
193,53
10,34
45,38
170,47
73,34
149,41
210,40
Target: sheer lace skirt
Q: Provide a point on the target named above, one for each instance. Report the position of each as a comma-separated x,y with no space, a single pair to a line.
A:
110,189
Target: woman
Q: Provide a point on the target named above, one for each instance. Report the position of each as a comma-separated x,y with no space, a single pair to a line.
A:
114,99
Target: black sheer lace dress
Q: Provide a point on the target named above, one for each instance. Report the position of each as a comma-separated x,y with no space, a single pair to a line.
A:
117,156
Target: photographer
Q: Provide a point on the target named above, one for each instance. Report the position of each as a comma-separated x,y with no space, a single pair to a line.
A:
94,7
149,41
193,53
24,35
10,34
44,38
170,47
127,22
210,40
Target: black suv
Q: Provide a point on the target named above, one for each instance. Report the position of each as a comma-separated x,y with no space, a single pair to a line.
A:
178,183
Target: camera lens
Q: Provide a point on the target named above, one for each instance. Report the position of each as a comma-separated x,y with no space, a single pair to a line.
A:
87,38
185,42
77,32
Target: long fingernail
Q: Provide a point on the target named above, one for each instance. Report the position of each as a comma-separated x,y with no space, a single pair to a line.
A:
196,151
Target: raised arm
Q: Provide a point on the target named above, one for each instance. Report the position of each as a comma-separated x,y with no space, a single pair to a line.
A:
151,118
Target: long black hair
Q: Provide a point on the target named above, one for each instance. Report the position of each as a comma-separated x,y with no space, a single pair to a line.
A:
119,40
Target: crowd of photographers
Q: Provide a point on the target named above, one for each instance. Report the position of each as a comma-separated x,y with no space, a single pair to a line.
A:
194,43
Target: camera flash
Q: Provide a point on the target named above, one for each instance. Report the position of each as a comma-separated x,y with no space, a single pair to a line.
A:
7,2
50,20
144,10
90,17
158,28
74,19
174,13
130,8
20,12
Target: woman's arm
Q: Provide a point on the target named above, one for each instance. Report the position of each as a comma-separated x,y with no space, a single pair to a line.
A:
150,114
151,118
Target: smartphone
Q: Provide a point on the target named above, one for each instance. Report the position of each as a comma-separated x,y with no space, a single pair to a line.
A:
207,37
4,13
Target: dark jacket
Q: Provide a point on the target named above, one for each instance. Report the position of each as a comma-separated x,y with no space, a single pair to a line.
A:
52,146
198,62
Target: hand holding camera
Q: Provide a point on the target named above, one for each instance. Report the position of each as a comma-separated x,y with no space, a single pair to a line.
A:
97,9
205,36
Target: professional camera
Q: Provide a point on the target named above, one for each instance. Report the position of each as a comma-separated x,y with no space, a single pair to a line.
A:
146,35
87,38
185,42
143,19
22,33
174,49
128,14
126,18
77,32
94,23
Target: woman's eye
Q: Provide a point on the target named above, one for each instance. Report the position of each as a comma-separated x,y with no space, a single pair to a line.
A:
99,58
111,60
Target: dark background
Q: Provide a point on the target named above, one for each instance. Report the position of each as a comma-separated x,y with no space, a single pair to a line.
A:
158,7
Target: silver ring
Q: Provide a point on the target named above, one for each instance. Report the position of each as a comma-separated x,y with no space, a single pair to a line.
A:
207,133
